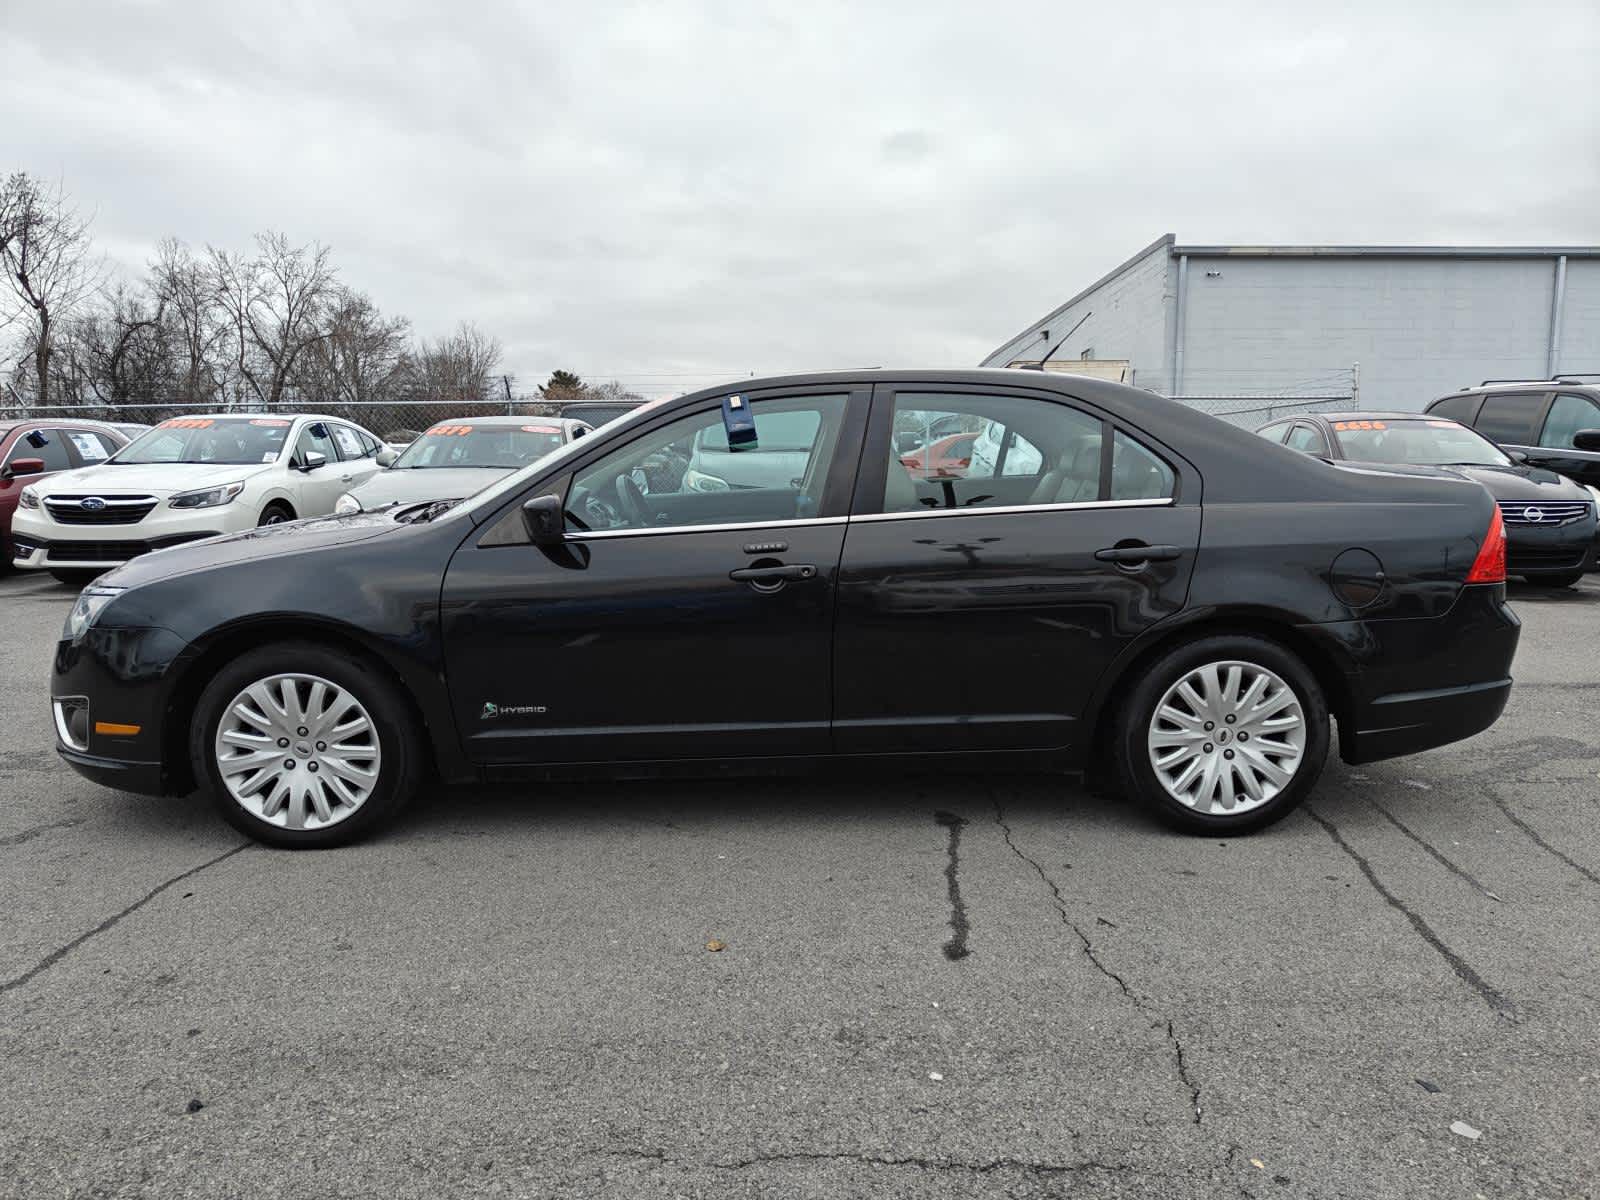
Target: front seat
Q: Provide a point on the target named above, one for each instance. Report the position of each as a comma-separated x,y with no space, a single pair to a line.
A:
899,489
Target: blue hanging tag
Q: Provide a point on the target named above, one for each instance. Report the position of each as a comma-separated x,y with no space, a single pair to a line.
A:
740,423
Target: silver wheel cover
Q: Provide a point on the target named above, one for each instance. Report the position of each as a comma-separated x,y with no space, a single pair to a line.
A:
298,751
1227,738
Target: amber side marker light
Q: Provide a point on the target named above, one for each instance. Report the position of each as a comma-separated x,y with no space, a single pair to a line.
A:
1490,565
112,729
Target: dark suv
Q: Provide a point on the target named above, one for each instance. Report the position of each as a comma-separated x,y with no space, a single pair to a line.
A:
1553,423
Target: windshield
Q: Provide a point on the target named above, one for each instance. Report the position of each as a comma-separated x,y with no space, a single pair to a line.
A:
464,445
219,441
1422,443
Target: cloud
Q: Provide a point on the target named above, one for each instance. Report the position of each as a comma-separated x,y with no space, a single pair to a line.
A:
674,193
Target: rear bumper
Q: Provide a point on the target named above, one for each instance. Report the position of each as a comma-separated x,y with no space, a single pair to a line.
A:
1409,722
1419,683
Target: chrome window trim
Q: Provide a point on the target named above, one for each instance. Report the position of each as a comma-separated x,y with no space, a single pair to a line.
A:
732,527
976,511
596,534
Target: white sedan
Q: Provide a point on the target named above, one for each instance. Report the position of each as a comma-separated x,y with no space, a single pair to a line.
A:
190,478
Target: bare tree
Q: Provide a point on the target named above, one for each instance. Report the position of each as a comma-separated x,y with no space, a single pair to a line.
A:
455,368
46,264
197,328
118,352
296,285
234,288
362,356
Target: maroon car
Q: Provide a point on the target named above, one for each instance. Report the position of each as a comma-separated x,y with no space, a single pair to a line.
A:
33,449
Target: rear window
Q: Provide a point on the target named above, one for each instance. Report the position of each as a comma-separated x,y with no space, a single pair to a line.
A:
1425,442
463,444
1457,408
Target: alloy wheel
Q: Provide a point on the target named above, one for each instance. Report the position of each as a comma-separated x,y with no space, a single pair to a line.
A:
1227,737
298,751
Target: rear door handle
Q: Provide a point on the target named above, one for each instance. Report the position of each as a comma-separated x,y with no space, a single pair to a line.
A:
1138,554
770,576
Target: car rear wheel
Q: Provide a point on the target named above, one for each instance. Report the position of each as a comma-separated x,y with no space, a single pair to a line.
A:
1224,735
302,746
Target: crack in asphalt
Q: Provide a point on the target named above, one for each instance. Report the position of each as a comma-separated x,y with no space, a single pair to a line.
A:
956,948
1142,1003
1464,971
1437,855
27,835
982,1167
1533,836
56,955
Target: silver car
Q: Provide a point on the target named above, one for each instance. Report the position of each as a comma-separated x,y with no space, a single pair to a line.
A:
456,458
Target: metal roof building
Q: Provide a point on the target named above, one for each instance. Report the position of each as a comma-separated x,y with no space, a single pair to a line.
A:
1380,326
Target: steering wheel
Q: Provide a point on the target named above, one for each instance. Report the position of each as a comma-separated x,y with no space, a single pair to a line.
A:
601,515
632,501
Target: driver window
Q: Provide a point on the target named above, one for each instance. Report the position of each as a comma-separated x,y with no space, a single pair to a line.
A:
686,473
1567,416
314,439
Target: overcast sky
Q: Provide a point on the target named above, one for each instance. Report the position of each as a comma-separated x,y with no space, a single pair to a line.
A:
674,193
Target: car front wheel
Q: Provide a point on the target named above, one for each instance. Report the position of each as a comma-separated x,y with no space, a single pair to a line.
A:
302,746
1224,735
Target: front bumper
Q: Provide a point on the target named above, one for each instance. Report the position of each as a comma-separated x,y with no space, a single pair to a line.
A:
124,678
40,542
1532,551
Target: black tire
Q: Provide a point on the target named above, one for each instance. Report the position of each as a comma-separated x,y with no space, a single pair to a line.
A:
76,579
401,765
275,513
1133,724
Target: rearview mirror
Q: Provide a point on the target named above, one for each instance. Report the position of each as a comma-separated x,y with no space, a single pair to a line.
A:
314,459
24,466
1517,456
1587,439
386,457
544,518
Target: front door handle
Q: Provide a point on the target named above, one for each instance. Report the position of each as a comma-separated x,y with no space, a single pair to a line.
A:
1138,554
770,579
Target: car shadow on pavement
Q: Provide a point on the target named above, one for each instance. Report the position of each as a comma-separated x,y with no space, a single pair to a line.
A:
1586,592
805,800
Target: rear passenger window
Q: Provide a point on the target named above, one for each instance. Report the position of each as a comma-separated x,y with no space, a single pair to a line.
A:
1569,414
1137,473
348,441
1024,451
1307,440
1456,408
1508,418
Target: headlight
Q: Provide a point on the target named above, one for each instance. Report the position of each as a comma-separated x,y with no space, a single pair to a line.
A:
90,601
698,481
346,504
28,498
208,498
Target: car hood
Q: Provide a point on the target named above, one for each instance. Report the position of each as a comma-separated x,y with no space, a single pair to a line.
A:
154,479
1503,483
412,486
266,541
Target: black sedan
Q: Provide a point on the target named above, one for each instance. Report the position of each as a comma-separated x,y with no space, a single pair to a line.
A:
1550,520
1124,583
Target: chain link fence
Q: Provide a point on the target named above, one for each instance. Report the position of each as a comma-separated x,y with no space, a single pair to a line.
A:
1251,412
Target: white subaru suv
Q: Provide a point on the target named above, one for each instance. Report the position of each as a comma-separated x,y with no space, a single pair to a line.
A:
190,478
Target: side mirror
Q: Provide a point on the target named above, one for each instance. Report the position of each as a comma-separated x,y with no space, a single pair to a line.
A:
545,519
1588,440
386,457
24,466
314,459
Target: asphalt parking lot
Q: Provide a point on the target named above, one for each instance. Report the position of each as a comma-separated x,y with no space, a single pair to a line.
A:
935,987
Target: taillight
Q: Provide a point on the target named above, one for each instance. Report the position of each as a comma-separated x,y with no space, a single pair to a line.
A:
1490,565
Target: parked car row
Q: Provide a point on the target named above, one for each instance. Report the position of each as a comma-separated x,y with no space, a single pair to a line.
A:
757,578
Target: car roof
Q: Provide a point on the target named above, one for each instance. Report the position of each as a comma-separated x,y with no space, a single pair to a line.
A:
1566,383
508,422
